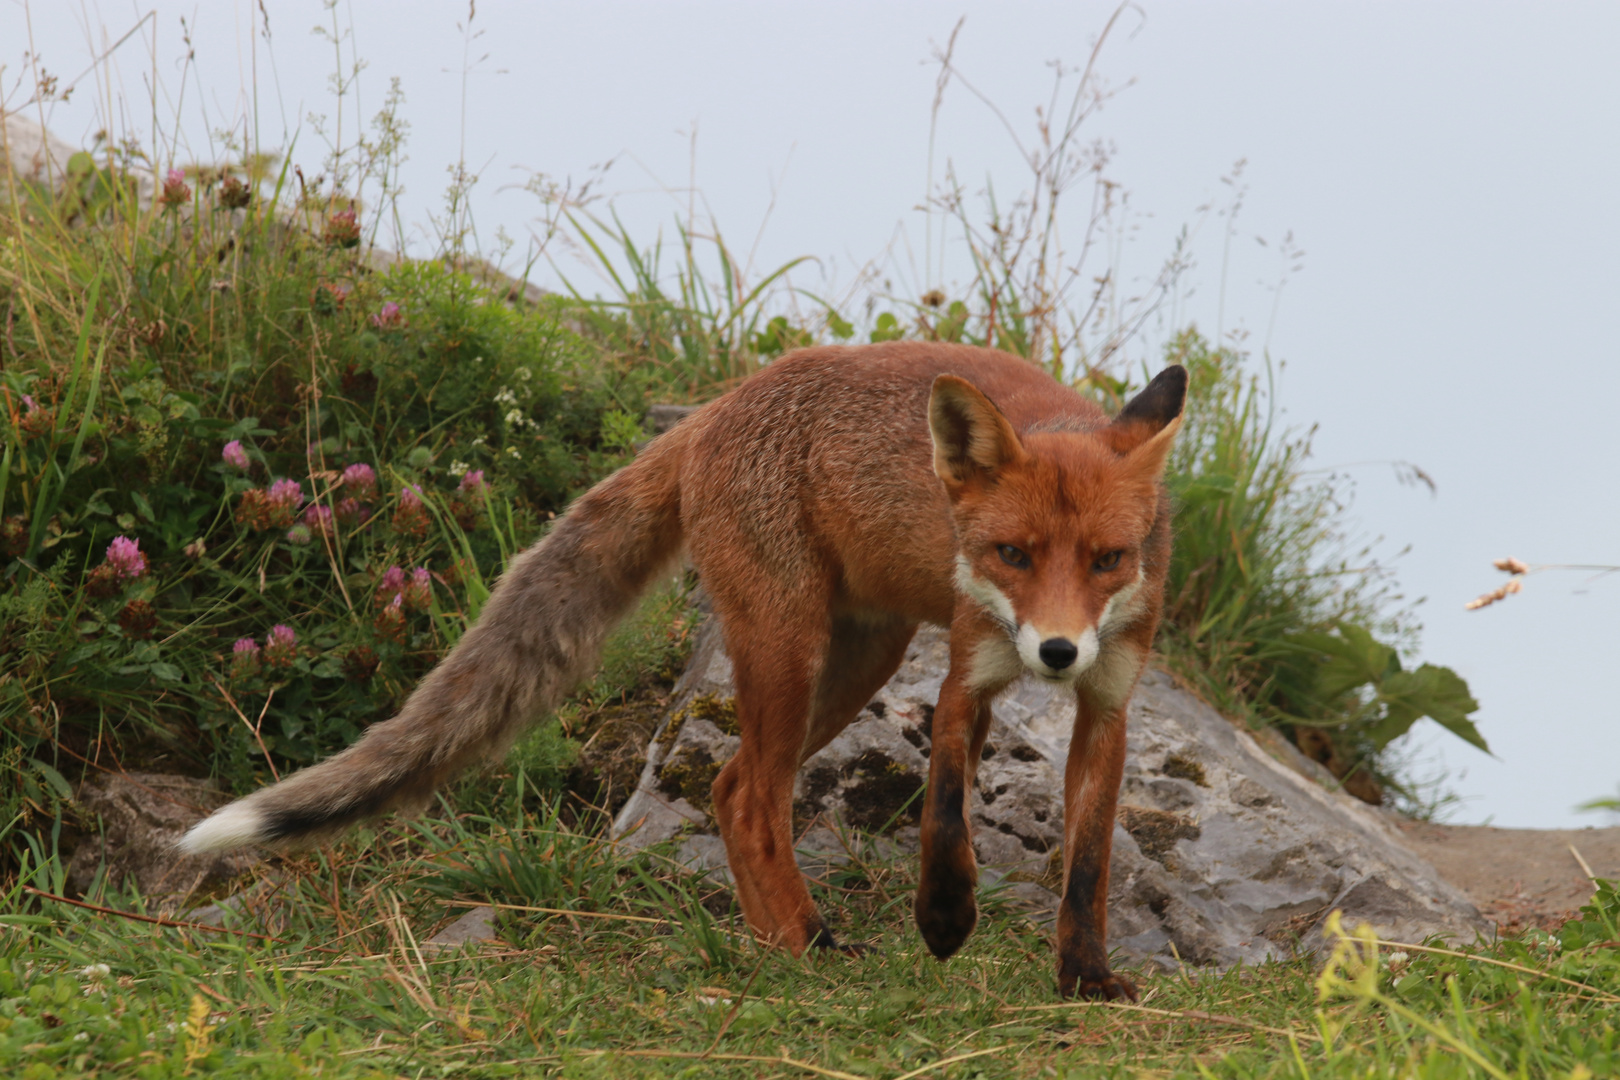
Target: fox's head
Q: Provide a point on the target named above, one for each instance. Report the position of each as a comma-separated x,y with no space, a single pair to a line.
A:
1055,528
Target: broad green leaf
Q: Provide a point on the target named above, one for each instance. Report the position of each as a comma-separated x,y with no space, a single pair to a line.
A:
1353,657
1433,691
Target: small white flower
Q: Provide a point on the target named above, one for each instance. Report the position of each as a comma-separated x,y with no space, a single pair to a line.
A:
478,359
83,1036
459,468
525,374
512,452
480,441
95,972
1398,962
504,396
515,417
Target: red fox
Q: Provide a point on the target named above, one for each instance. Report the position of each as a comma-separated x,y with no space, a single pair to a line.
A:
830,504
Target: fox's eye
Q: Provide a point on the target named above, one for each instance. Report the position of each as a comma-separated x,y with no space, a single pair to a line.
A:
1107,561
1013,556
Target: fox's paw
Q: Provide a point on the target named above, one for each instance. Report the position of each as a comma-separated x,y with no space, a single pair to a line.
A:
1107,987
825,942
945,919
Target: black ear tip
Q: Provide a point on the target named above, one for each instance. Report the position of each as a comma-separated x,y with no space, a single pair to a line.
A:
1161,400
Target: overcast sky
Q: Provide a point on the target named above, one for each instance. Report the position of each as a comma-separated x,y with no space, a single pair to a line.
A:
1451,172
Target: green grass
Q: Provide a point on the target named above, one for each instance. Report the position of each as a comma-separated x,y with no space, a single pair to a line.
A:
630,973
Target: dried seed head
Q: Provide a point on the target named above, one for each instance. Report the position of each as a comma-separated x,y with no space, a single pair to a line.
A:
1511,565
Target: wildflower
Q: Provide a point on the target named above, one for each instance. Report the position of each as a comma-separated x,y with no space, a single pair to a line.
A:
14,535
298,535
280,647
1398,962
411,519
244,658
389,317
515,417
235,456
319,519
234,194
95,972
524,373
512,452
254,510
175,190
459,468
196,549
360,481
391,585
124,556
503,396
350,512
360,663
342,230
418,594
328,299
35,421
469,499
283,499
137,619
390,621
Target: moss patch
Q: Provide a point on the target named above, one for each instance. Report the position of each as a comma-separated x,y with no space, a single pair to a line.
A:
721,712
1183,767
690,776
1156,831
882,787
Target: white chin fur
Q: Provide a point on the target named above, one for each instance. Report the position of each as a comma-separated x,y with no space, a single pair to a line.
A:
235,826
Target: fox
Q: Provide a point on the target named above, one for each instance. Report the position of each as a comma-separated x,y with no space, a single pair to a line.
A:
829,504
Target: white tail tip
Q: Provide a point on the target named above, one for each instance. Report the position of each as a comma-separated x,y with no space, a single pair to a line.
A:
236,826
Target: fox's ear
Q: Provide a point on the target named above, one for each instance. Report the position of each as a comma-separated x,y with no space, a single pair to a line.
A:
1146,427
970,434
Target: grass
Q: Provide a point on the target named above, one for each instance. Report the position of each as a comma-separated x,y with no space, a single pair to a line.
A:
611,964
142,342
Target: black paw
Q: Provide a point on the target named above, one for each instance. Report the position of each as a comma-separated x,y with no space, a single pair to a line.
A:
825,942
945,920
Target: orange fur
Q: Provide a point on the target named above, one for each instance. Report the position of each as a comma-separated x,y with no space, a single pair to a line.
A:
831,504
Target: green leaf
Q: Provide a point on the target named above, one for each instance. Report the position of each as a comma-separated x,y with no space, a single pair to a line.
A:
166,671
1353,658
1433,691
142,505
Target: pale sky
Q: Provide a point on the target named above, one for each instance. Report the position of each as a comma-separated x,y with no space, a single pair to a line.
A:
1451,171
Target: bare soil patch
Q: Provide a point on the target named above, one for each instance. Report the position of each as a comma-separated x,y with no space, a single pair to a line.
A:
1519,878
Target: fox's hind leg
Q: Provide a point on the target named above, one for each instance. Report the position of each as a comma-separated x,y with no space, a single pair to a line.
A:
799,682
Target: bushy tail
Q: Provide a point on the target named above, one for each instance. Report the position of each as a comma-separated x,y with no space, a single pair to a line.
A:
539,635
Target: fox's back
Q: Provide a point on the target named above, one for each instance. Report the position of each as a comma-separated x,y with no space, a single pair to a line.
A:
822,466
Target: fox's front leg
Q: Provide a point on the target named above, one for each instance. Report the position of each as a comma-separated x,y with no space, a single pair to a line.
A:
945,906
1090,796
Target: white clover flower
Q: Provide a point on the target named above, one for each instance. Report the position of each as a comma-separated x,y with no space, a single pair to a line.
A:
83,1036
95,972
459,468
1398,962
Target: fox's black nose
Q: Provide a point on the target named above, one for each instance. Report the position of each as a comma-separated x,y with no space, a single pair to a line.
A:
1058,653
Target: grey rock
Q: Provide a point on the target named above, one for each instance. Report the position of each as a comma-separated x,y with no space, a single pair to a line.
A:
1224,852
141,816
473,928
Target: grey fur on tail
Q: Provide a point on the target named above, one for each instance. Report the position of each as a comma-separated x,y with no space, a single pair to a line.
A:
539,635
